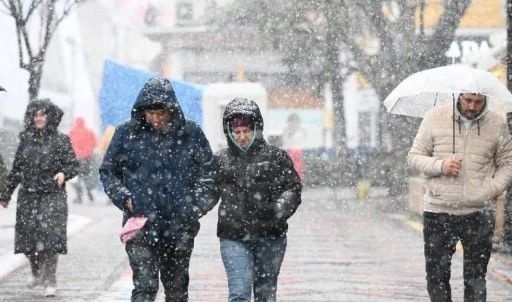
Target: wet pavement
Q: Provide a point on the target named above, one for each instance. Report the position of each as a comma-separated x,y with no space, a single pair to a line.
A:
339,249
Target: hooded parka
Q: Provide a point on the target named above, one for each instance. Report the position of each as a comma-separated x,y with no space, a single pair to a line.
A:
159,170
42,210
258,187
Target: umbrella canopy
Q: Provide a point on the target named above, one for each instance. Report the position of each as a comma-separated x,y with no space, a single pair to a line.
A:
426,89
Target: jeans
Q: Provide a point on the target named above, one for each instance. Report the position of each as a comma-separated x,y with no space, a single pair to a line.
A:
148,261
253,264
441,233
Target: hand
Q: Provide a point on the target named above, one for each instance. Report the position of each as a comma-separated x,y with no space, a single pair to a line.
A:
196,212
129,205
4,203
451,166
59,179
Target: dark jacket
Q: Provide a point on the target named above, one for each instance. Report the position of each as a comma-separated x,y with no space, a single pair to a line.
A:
41,213
259,188
161,171
3,173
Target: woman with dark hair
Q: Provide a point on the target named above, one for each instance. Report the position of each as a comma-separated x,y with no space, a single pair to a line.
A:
259,190
44,161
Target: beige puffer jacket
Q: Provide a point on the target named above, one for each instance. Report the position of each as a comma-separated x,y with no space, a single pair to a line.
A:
486,152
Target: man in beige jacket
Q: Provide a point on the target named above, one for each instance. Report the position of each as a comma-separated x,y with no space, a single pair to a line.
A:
463,181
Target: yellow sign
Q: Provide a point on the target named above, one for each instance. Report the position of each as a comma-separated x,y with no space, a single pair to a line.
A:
480,14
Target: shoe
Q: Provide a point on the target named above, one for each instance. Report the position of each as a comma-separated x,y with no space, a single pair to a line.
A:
32,281
50,291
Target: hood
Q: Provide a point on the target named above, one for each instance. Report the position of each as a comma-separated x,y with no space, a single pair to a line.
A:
459,115
79,122
53,115
158,91
247,108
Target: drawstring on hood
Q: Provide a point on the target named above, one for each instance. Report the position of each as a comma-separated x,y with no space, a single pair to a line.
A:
238,145
462,119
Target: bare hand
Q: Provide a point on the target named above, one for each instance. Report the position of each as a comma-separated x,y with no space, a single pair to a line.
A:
452,166
59,179
4,203
129,204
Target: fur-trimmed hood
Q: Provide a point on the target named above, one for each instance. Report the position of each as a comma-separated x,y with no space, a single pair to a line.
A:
53,115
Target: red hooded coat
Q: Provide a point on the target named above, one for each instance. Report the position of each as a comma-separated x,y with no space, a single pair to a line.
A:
82,139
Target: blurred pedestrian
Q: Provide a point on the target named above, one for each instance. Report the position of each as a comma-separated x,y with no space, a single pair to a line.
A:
294,138
259,190
84,142
154,168
466,153
3,176
105,139
43,162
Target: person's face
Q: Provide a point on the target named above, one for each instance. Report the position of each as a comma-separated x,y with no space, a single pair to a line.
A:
471,104
157,118
40,120
243,135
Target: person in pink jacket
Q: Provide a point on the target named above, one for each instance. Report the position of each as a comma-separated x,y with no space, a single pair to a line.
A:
468,164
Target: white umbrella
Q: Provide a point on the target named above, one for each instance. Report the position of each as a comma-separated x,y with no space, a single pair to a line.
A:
423,90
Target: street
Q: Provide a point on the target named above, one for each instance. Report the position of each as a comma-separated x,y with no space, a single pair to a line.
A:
339,249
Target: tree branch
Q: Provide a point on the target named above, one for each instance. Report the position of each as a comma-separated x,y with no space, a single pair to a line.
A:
65,13
47,25
32,8
444,32
5,3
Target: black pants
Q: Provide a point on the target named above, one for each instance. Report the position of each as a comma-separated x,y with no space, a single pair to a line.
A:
441,233
507,227
147,262
44,267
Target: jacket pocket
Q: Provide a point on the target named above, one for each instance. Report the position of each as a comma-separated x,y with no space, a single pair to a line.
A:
443,191
479,195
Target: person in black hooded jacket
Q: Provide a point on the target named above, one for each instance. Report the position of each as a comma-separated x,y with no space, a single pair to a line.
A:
156,166
43,162
259,190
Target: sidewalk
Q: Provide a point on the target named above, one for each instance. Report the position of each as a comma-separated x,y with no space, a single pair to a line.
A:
94,260
339,249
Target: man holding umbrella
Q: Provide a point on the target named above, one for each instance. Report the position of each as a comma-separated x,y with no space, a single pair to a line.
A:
465,151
